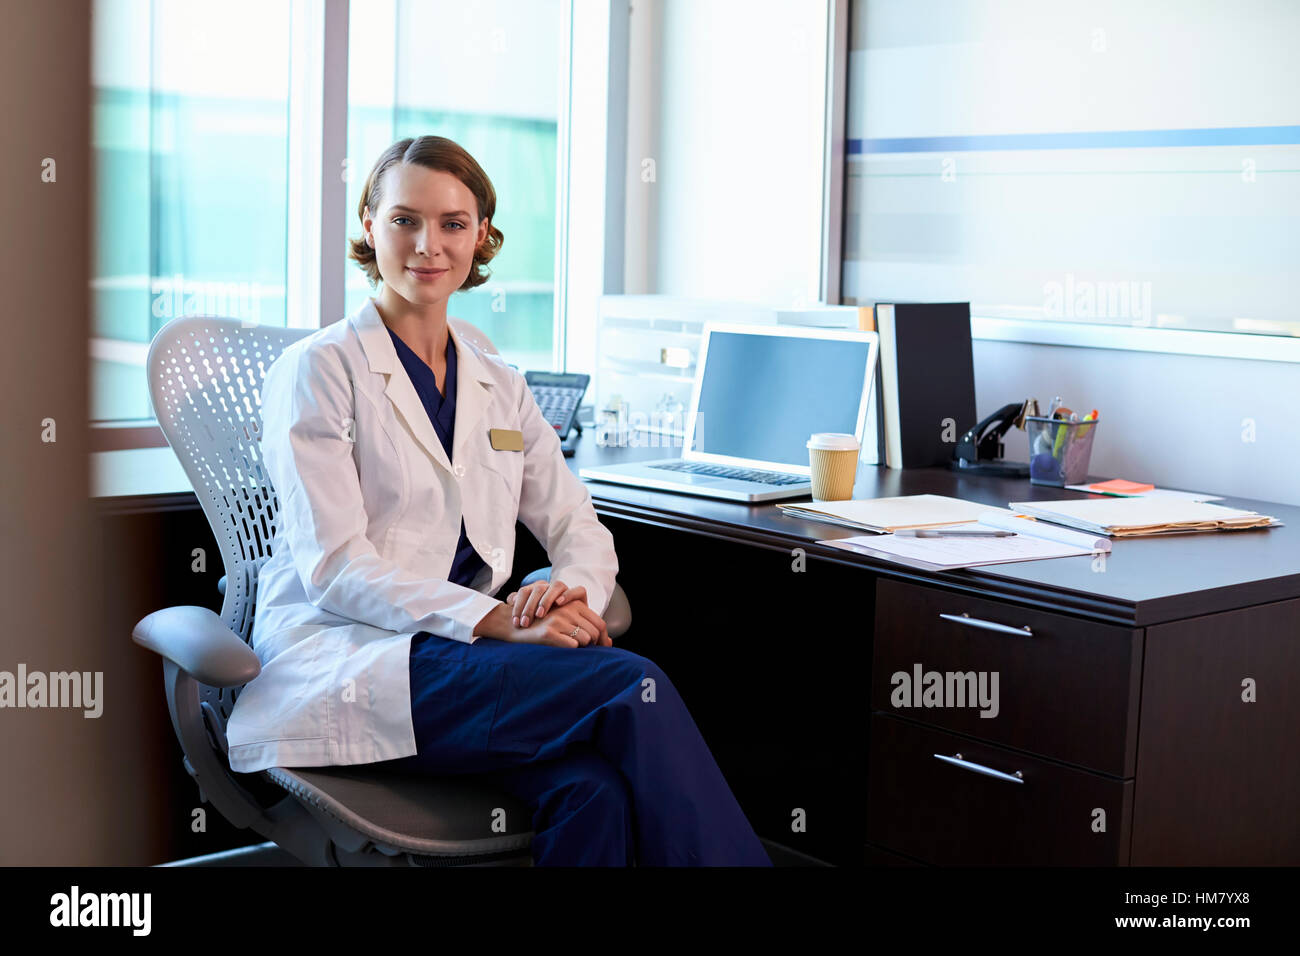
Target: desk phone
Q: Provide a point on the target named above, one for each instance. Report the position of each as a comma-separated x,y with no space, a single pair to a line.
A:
558,395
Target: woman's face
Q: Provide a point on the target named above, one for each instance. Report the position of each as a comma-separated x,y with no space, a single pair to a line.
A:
427,221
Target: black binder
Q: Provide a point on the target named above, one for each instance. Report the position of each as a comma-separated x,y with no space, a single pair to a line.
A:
927,380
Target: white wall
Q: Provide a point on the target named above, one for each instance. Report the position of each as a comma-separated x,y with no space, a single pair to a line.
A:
1225,426
735,101
732,113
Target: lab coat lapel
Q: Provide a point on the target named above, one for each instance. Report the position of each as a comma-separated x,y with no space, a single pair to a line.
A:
472,393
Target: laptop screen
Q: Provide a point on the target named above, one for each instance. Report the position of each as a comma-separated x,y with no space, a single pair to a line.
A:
762,396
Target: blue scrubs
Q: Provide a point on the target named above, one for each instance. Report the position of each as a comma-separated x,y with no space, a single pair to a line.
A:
442,413
596,740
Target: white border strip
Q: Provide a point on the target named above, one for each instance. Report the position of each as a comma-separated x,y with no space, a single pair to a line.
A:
305,123
333,192
833,151
122,353
589,224
563,177
1267,348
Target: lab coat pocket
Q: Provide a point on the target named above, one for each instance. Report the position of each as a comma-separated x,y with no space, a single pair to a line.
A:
500,493
287,700
509,467
417,549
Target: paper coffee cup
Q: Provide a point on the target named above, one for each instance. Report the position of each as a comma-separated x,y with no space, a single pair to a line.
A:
834,460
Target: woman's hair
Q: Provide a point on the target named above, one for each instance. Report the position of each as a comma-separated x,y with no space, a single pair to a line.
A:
440,153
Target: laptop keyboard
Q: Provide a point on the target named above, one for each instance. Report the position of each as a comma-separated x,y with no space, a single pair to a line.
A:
726,471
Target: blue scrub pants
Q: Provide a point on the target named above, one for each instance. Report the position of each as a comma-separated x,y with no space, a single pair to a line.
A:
613,766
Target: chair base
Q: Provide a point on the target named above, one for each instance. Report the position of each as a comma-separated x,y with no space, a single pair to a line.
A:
272,855
269,854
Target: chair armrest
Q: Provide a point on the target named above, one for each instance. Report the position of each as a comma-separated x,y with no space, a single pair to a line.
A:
618,616
197,641
541,574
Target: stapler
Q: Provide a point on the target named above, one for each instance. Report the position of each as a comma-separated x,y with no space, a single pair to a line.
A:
980,450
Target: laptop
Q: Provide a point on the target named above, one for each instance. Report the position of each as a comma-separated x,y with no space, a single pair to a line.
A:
760,392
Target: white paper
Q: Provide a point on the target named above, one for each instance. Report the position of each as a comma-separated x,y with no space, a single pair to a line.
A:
1154,493
909,511
962,552
1041,529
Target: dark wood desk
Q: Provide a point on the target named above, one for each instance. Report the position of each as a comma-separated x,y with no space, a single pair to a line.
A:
1147,716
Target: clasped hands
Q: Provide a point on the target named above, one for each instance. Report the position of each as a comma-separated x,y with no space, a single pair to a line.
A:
561,609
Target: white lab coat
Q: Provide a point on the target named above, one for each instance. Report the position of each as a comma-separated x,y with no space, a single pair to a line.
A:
370,513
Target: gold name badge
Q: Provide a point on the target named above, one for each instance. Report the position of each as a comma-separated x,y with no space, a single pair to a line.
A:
506,439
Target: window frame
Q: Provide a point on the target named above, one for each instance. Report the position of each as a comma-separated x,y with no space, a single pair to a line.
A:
591,209
1236,345
586,217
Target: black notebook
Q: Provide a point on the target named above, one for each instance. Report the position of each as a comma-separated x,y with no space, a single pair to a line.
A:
927,380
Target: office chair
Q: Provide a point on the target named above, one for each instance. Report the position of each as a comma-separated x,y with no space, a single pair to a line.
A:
205,378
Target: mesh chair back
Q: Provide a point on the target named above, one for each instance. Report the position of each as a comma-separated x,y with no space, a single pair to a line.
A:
205,380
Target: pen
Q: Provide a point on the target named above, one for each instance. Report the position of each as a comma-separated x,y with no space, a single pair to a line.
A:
941,533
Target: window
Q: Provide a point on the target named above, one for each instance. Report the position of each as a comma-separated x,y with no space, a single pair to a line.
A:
197,144
486,75
1117,164
190,141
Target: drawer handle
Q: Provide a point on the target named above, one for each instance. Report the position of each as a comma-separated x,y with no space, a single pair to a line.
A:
969,621
957,761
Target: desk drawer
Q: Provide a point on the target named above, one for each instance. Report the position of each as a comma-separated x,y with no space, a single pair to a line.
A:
1066,688
942,813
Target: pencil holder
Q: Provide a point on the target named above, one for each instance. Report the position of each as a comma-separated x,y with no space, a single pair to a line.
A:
1059,450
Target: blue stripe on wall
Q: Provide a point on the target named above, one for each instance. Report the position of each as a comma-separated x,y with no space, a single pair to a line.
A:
1222,136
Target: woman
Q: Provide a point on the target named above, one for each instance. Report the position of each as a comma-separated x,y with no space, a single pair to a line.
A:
402,456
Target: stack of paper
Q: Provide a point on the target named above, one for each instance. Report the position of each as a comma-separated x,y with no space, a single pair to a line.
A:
885,515
1125,517
1032,541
